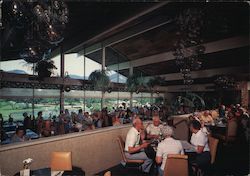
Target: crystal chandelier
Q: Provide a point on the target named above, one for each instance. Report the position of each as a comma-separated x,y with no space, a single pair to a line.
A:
225,82
187,49
44,22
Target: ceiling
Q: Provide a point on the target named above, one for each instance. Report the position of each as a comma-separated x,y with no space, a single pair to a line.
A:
142,35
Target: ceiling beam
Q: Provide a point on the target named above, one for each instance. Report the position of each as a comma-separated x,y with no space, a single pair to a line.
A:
126,34
117,28
211,47
204,73
183,88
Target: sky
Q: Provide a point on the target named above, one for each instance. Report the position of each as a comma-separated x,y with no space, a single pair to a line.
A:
74,64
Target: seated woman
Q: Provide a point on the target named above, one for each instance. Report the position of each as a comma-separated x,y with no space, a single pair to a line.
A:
200,141
167,146
206,117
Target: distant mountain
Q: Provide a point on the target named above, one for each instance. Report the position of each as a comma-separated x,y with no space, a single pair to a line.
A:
77,77
17,71
113,77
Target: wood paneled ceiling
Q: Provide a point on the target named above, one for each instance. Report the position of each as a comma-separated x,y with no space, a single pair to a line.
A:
153,33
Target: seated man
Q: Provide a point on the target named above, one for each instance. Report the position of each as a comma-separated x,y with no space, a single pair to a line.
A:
168,146
133,150
19,136
154,130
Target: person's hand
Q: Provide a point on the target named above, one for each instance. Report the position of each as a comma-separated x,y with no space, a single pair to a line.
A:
145,145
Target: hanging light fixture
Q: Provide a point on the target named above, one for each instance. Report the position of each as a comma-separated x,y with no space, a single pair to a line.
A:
45,21
188,48
225,82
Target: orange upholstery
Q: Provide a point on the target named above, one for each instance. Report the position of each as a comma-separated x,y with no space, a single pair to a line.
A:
61,161
121,144
213,143
176,165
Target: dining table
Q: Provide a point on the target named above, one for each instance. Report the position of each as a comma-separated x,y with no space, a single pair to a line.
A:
76,171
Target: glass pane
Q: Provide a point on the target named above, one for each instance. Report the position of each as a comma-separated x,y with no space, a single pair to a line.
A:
49,106
74,104
74,66
15,107
93,104
57,63
16,66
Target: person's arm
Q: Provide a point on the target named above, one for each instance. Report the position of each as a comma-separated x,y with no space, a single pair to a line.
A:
149,136
137,148
159,154
158,159
200,149
201,143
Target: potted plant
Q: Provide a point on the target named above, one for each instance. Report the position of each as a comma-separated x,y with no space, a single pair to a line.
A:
99,79
135,83
44,68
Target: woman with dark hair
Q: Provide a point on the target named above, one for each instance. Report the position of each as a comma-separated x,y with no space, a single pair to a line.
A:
200,141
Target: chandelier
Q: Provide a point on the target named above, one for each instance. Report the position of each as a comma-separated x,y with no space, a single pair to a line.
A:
44,22
225,82
188,48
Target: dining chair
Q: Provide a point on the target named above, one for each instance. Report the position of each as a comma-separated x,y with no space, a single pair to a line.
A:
61,161
121,144
176,165
231,132
213,143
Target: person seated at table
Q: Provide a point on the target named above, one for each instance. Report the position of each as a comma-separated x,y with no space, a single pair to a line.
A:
1,121
133,148
206,117
19,136
203,127
154,130
27,123
222,111
39,122
200,141
10,120
167,146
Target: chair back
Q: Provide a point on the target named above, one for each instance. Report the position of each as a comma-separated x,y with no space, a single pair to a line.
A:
61,161
121,144
213,143
232,126
176,165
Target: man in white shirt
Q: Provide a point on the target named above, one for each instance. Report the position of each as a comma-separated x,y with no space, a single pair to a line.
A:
200,141
154,130
133,148
168,146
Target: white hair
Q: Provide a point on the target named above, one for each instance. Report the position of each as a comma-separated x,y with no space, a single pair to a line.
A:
167,131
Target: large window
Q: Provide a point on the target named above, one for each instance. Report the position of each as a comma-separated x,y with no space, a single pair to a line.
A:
49,106
16,66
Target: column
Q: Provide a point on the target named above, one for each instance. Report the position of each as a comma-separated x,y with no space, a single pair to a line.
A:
84,76
103,68
62,76
244,93
131,93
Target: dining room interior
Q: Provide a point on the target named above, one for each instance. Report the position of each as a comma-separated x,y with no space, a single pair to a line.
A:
79,78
